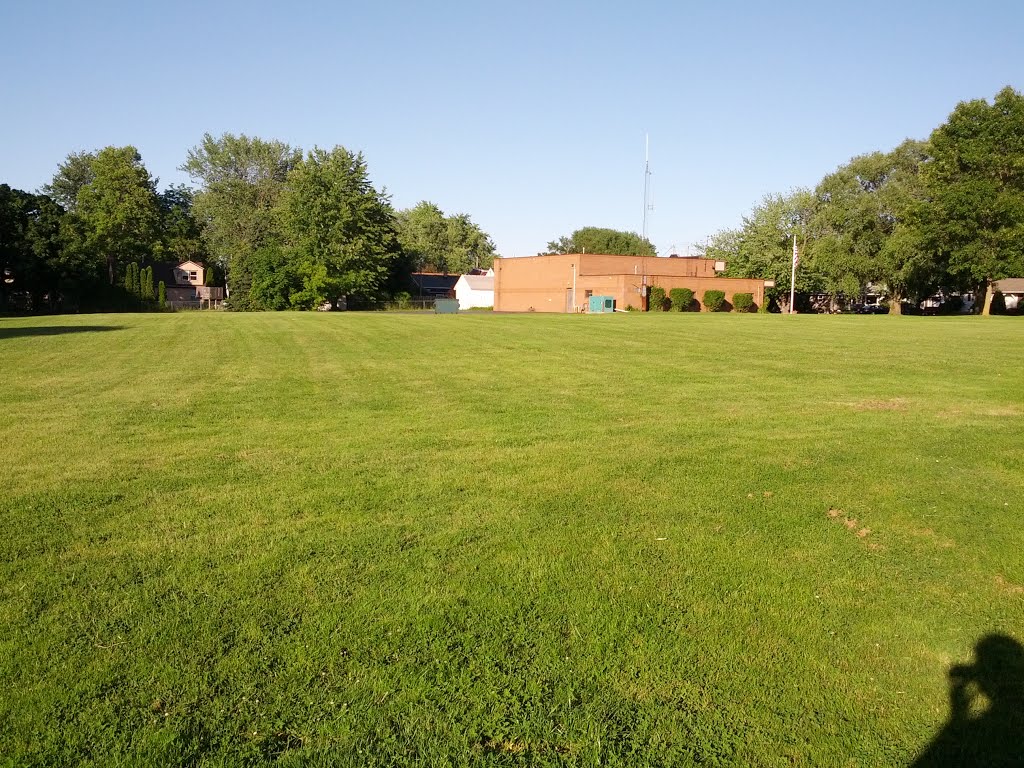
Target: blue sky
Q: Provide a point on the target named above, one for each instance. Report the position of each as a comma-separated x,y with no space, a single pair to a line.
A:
529,116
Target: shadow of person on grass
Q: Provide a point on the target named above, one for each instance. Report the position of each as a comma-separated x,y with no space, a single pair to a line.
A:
979,735
10,332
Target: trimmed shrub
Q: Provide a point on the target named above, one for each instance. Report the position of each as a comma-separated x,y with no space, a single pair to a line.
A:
998,304
763,309
743,302
209,276
656,299
147,284
682,299
714,300
162,295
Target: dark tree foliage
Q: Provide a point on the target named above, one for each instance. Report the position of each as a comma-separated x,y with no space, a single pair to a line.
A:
180,235
41,267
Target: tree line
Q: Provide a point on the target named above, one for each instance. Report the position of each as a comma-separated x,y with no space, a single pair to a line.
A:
941,215
283,229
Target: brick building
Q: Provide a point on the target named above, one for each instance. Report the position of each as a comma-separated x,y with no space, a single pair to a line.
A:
565,283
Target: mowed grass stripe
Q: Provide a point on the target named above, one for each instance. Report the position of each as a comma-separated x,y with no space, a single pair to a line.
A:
486,539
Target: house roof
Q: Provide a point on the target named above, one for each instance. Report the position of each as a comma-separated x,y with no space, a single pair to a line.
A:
479,282
1010,285
164,270
434,281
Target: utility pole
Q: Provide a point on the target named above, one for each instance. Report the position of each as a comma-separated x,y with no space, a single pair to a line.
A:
792,279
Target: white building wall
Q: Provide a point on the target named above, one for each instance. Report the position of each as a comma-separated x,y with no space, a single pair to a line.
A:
469,298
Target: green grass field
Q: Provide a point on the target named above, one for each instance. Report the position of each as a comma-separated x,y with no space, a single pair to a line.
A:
354,539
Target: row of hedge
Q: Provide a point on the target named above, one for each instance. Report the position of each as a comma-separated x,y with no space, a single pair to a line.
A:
683,300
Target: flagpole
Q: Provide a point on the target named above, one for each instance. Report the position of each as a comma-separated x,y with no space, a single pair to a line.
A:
792,280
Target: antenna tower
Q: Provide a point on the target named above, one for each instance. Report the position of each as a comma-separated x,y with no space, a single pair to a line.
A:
648,206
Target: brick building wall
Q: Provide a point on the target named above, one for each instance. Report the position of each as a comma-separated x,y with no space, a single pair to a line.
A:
560,283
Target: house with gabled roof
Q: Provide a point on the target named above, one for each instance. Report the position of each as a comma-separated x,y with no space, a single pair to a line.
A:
184,283
1012,289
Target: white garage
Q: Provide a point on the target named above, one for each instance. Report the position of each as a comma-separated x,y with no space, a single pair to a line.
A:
475,291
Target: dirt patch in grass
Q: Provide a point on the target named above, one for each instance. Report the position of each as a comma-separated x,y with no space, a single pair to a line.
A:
893,404
1009,587
974,410
854,526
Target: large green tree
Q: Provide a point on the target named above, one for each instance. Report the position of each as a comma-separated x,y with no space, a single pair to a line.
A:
74,173
975,184
180,235
865,226
16,262
601,240
242,179
36,256
340,231
118,209
434,241
763,246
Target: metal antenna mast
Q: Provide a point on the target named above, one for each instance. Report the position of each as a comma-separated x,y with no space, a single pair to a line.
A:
647,181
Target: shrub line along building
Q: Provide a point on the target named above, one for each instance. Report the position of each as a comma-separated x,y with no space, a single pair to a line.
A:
565,282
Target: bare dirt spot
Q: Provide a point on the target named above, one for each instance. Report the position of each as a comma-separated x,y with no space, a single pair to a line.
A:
893,404
1004,411
1009,587
852,524
973,410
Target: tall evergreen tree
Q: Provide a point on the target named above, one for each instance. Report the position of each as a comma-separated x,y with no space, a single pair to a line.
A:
146,289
